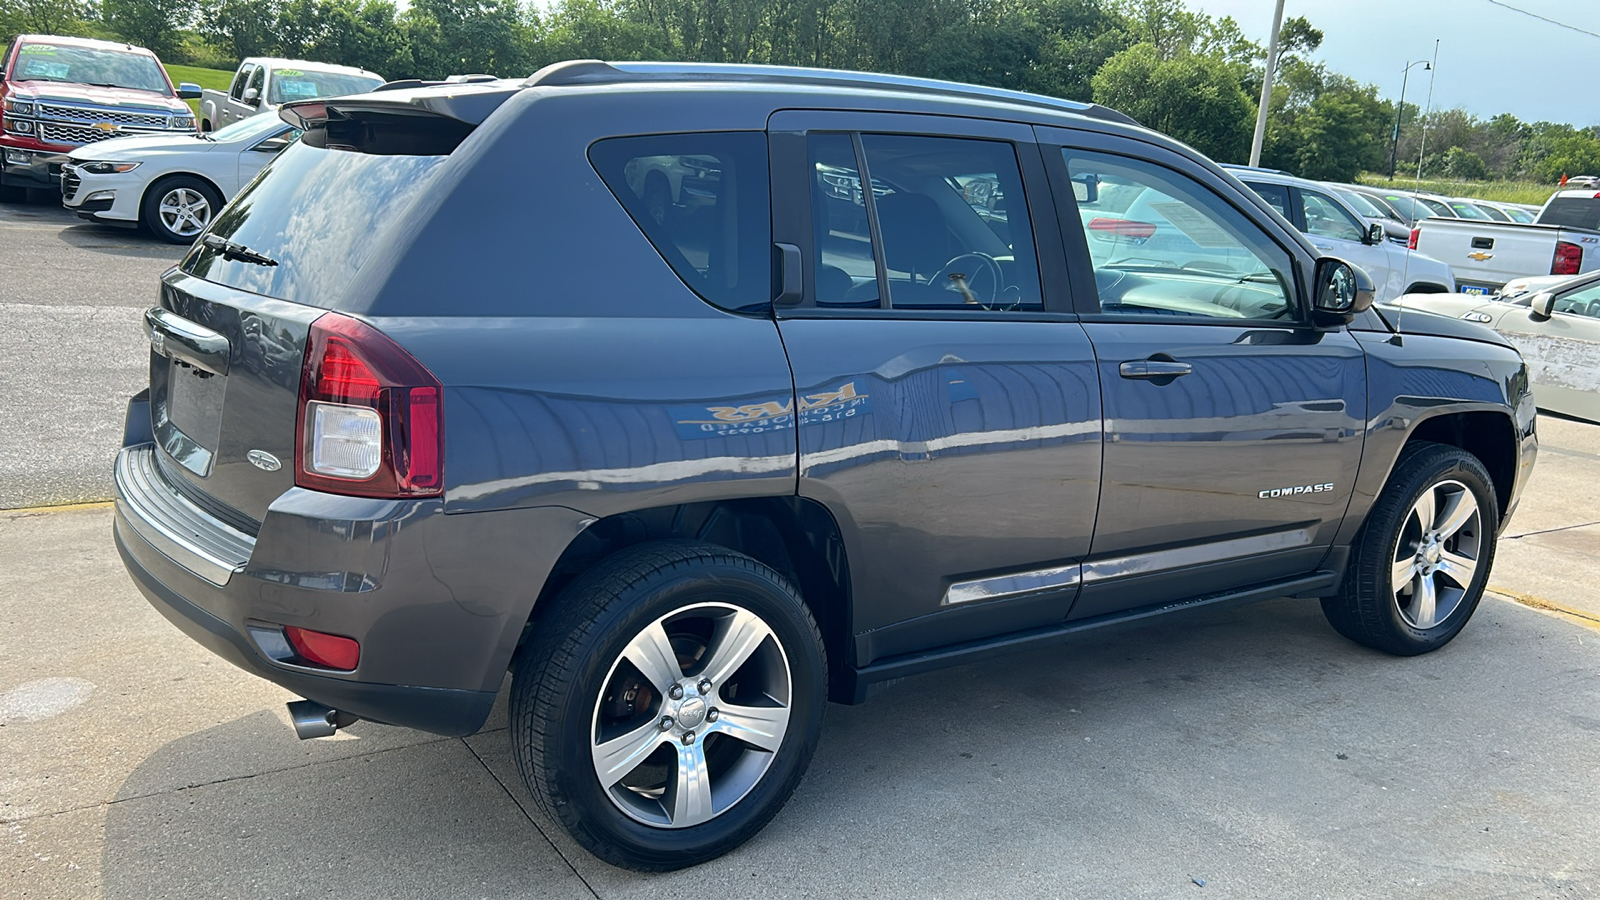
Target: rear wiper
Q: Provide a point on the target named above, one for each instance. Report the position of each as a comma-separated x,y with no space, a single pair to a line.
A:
240,252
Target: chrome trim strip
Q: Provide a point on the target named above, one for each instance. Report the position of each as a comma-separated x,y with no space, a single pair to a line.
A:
171,523
1014,585
1195,554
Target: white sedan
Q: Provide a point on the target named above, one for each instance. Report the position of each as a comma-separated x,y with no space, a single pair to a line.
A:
171,184
1553,320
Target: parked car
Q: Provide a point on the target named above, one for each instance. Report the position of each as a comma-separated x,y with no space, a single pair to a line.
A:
688,477
58,93
1583,181
172,185
1409,208
262,84
1516,213
1556,328
1563,240
1369,208
1334,227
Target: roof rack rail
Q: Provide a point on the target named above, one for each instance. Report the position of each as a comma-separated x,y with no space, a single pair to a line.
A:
594,71
405,83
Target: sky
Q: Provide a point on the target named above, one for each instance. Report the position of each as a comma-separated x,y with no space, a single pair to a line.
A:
1491,60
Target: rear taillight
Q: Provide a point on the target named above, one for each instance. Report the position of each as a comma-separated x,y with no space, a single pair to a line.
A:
370,415
1568,259
1412,243
1126,228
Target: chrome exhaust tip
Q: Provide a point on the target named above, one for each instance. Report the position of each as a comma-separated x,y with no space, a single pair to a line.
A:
313,720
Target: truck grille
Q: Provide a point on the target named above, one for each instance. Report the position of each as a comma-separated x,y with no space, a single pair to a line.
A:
90,116
53,133
69,182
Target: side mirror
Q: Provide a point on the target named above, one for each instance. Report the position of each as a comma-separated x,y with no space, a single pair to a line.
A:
272,145
1086,188
1375,235
1541,306
252,96
188,90
1343,291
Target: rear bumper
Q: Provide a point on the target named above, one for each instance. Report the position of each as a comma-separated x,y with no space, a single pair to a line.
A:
438,602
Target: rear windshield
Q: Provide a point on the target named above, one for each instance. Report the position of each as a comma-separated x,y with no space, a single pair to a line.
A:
295,84
319,214
1572,212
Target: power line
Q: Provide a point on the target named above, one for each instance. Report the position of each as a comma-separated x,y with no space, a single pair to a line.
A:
1544,18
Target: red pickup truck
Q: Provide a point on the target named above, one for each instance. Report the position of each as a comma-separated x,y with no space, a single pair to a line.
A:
59,93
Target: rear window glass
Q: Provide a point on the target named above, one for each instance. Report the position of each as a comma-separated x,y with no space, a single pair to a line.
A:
318,213
703,201
1572,212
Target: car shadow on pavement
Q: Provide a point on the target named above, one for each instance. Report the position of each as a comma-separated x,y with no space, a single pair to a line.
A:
1250,749
121,241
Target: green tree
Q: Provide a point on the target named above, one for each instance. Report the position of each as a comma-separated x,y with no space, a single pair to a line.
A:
1194,98
155,24
44,17
240,28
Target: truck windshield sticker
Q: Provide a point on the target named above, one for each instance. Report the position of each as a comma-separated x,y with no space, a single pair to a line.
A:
289,72
297,90
41,49
41,69
1196,225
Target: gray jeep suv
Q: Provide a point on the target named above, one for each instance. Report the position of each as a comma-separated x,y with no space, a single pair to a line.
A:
892,374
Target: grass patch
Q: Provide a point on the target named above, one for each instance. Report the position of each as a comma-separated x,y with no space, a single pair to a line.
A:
1501,191
215,79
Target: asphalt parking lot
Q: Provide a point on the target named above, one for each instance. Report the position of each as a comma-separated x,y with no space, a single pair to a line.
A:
1242,753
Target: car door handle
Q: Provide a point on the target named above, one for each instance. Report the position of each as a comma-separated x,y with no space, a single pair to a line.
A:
1159,370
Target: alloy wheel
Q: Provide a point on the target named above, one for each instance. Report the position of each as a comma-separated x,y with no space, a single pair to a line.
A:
1437,553
691,715
184,211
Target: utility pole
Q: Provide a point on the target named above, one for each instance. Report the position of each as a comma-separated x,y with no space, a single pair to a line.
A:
1266,87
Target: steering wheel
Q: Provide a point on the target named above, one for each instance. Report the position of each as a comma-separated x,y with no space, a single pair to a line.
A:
978,285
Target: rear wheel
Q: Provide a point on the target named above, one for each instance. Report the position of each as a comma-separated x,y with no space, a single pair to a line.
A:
668,703
177,209
1423,558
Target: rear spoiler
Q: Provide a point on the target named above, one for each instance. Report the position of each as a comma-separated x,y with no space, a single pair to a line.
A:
467,102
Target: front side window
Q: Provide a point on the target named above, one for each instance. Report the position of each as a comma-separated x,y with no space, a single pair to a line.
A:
1581,302
1469,211
257,79
1325,218
703,201
240,80
1162,244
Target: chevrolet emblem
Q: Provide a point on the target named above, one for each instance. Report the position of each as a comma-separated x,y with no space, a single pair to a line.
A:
1480,256
107,127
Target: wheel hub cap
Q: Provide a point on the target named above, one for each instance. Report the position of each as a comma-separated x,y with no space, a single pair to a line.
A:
691,710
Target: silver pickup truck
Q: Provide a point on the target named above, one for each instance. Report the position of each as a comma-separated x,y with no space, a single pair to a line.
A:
262,83
1563,240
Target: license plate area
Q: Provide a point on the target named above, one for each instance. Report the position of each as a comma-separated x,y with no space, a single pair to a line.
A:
186,411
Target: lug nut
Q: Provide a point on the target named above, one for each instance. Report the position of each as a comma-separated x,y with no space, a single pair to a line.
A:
688,737
666,723
675,692
712,714
704,686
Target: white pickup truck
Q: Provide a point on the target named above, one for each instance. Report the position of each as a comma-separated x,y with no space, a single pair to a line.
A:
262,83
1563,240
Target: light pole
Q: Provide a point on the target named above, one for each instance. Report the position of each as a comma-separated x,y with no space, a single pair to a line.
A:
1266,87
1394,142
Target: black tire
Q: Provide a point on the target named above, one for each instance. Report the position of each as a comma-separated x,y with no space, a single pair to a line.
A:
150,208
575,654
1367,609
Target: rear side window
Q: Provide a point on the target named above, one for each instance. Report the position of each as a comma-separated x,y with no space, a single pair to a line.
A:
1572,212
318,213
703,201
1276,195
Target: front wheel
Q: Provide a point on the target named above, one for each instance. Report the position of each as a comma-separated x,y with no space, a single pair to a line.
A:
178,209
1423,558
668,703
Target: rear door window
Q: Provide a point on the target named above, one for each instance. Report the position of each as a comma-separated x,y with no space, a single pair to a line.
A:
1325,218
1276,195
703,201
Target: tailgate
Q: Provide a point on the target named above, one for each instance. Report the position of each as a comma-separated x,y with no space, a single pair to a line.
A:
224,388
1485,255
